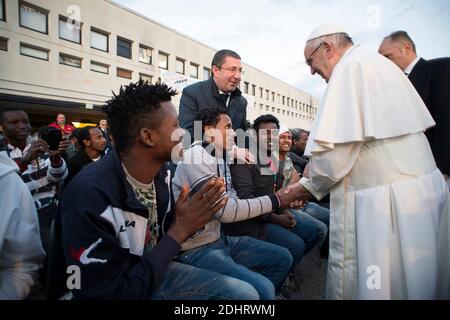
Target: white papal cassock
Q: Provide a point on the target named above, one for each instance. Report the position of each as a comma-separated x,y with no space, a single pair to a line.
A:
389,221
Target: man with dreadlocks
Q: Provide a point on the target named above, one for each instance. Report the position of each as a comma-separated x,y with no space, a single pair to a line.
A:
125,233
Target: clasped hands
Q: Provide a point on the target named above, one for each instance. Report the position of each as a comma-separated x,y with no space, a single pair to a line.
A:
294,196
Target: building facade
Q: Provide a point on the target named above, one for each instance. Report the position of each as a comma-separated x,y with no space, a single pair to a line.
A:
70,55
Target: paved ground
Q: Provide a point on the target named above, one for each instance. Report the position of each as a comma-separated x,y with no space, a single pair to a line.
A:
312,278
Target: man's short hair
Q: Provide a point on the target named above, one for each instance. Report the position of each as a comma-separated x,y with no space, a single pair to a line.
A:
136,105
265,118
400,36
297,133
210,116
84,134
74,133
8,109
219,57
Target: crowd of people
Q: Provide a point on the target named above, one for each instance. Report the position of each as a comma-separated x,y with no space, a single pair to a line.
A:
232,216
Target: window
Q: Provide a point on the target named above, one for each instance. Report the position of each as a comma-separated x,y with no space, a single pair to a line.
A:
163,60
145,54
99,40
194,71
283,100
34,52
179,66
261,92
267,108
246,85
124,73
206,73
69,31
273,96
273,109
145,78
2,10
99,67
3,44
267,94
69,60
253,90
124,48
33,17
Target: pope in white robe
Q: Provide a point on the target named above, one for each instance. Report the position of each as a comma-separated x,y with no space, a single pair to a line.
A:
390,205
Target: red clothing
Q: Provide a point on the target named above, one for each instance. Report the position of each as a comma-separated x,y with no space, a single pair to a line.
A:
68,128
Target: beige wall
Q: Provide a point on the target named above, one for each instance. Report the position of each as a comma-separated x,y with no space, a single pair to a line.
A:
22,75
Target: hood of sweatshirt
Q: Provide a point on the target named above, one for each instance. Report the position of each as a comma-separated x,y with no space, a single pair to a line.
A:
6,164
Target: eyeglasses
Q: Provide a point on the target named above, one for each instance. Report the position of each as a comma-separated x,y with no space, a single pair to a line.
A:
234,70
309,60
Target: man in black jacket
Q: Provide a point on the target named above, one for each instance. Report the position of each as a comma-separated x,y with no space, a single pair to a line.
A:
220,91
92,146
299,140
120,223
431,78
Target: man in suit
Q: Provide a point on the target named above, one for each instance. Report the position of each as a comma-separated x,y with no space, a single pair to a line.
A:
220,91
431,78
103,126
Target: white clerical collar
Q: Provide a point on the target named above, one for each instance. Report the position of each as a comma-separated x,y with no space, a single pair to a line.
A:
228,99
411,66
349,50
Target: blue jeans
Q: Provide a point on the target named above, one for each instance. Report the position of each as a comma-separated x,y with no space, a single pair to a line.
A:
319,214
321,228
299,239
261,264
185,282
317,211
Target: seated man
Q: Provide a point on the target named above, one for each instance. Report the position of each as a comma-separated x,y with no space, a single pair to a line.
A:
92,146
296,231
299,139
311,211
120,223
233,256
41,169
21,253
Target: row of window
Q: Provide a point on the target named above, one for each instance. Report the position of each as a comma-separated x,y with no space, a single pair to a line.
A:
285,112
36,18
33,51
286,101
193,71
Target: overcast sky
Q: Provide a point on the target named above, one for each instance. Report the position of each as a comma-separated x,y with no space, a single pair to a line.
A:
270,34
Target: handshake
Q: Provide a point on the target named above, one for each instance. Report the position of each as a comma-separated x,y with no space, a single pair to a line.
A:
293,195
